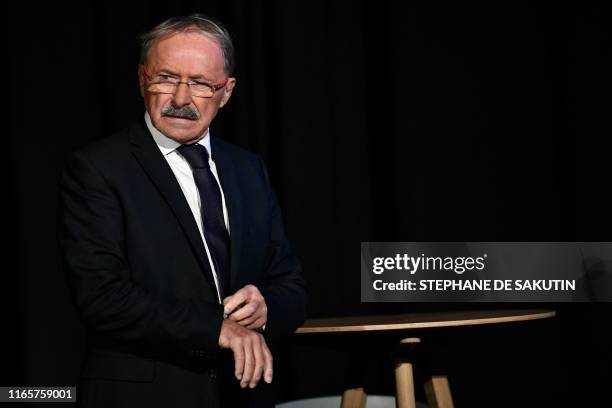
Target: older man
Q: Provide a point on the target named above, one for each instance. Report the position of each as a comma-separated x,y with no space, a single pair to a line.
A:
173,242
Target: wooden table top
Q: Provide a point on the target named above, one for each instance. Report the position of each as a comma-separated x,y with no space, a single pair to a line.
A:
419,320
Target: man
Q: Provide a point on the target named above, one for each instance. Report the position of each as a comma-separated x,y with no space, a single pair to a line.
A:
173,242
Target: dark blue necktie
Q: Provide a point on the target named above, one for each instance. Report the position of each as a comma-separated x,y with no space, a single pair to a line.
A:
213,222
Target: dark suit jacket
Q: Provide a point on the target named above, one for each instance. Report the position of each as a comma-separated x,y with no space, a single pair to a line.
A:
140,279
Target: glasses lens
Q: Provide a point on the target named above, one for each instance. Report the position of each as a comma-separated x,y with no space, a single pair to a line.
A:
201,90
162,87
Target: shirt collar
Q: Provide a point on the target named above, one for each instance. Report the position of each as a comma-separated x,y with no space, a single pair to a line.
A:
167,145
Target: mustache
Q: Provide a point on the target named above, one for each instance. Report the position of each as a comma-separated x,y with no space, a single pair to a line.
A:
186,112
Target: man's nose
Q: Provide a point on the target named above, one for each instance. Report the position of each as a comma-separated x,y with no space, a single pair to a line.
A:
182,96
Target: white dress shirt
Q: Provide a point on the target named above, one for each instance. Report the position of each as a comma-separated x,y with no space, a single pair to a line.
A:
184,175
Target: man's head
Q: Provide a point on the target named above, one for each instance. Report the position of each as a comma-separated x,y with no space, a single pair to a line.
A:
185,72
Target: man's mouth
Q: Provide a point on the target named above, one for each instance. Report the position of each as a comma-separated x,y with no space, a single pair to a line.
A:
178,117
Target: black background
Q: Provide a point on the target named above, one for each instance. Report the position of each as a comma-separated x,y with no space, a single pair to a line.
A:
379,122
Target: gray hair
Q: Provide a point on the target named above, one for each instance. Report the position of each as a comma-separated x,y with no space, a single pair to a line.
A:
193,23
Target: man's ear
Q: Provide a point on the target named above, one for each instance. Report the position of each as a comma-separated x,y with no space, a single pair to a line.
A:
227,91
141,79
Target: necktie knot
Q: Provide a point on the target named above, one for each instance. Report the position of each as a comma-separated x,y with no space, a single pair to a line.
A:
195,154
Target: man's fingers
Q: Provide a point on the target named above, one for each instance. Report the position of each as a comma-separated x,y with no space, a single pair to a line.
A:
247,308
245,311
256,324
232,302
252,357
249,364
248,321
239,358
259,361
269,368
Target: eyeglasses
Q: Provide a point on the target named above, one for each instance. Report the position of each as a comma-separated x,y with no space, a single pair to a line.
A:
168,84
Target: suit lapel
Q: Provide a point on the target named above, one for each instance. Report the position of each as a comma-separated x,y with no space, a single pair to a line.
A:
154,164
229,182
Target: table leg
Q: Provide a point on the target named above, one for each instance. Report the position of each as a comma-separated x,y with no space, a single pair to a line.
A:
438,392
404,380
404,383
354,398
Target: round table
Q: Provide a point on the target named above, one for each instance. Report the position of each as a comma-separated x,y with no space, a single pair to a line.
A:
437,389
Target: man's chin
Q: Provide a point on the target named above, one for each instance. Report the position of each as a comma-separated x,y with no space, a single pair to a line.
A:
173,121
180,130
184,137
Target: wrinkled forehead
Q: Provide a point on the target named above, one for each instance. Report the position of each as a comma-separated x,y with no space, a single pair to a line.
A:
187,51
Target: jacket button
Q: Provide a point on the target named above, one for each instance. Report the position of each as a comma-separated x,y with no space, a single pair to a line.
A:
213,374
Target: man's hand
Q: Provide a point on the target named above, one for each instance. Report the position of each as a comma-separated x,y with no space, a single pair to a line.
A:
252,356
247,307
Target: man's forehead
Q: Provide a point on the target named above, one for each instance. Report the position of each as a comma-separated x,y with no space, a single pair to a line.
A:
189,50
190,41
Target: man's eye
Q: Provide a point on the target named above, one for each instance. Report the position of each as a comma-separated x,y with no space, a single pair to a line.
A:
165,78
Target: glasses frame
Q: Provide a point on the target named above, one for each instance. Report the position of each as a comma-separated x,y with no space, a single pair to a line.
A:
214,87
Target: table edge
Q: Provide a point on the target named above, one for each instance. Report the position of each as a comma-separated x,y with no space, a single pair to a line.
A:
426,325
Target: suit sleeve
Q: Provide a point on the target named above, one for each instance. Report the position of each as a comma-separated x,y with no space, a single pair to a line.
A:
92,242
284,288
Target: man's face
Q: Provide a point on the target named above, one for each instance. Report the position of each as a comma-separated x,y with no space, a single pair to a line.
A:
188,56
